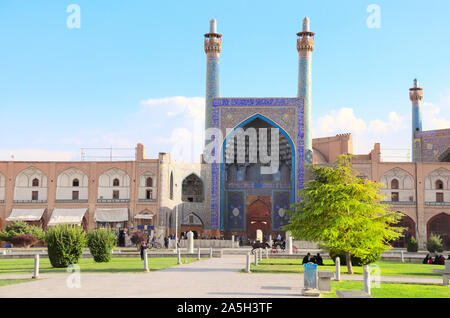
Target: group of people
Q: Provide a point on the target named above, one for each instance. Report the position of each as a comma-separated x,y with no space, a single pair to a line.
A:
438,259
317,259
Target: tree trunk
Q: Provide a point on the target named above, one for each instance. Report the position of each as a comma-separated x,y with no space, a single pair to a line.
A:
349,263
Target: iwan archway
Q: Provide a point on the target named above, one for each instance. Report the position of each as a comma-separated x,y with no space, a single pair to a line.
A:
251,198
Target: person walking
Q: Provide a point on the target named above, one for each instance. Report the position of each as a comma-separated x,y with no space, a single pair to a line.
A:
143,247
166,242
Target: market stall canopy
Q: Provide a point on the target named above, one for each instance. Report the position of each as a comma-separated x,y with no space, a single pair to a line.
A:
144,216
25,215
67,216
111,215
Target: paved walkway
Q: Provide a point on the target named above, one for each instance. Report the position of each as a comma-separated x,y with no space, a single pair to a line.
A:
217,277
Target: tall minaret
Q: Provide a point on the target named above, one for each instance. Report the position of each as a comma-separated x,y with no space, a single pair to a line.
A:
416,96
213,47
305,47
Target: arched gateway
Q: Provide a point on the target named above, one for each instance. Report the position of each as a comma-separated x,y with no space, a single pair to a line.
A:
254,195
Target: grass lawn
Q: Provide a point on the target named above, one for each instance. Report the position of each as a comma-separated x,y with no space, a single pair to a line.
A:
293,266
6,282
87,265
391,290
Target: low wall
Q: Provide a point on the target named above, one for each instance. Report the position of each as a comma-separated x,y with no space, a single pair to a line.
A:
304,245
168,253
206,244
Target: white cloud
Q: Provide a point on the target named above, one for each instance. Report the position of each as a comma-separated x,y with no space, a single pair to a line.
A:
193,107
432,118
339,121
391,132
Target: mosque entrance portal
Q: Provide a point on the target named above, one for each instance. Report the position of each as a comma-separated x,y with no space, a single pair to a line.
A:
259,216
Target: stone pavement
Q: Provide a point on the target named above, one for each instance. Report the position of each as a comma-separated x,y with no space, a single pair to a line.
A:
216,277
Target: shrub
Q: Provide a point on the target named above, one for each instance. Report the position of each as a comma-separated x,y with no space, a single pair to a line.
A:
100,243
25,240
20,228
138,237
356,261
434,244
412,245
65,244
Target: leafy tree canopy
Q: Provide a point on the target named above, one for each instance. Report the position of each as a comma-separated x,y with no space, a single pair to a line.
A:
343,212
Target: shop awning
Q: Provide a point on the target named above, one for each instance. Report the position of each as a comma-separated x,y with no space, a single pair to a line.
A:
67,216
144,216
25,215
111,215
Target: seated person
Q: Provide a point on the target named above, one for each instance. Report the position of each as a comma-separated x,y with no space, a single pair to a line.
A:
426,259
319,260
306,259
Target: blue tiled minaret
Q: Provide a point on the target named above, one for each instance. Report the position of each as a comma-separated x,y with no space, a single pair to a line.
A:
305,47
213,47
416,96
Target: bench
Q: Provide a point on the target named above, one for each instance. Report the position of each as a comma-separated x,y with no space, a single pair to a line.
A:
352,293
445,273
325,280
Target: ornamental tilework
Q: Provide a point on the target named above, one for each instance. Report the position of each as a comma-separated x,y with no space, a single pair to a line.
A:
281,203
287,113
212,87
236,210
429,145
304,91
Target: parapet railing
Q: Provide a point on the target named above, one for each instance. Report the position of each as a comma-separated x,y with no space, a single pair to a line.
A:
399,202
113,200
429,203
30,201
71,201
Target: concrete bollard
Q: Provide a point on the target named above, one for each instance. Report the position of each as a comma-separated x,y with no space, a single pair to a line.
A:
198,254
290,247
210,252
247,268
267,253
36,266
402,256
366,277
260,254
232,241
190,242
179,256
256,258
338,269
145,261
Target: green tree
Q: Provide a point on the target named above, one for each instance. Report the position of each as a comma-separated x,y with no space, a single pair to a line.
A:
65,244
344,213
101,243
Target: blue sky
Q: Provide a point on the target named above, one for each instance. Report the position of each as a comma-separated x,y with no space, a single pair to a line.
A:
135,71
